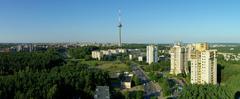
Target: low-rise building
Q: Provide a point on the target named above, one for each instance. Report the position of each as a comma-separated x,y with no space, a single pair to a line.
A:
126,80
230,56
102,92
97,55
114,51
106,52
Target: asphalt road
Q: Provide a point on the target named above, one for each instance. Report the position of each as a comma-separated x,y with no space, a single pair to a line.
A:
149,89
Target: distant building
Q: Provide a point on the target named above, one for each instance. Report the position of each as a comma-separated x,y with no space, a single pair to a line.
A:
19,48
106,52
203,64
231,49
97,55
114,51
162,51
152,54
130,56
140,58
102,92
162,58
134,50
230,56
122,50
179,63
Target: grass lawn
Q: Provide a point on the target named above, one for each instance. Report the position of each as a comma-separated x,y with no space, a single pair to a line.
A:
111,66
229,71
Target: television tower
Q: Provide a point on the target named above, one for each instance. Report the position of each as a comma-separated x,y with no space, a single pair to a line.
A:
119,28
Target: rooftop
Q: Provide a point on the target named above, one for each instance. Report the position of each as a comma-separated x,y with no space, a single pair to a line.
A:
127,79
102,92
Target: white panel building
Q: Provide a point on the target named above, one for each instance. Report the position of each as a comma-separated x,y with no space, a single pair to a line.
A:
152,54
179,60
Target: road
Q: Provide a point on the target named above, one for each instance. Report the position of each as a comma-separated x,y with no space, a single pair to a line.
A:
179,85
150,89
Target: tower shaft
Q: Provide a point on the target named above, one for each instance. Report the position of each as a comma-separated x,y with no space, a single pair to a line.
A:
120,37
120,29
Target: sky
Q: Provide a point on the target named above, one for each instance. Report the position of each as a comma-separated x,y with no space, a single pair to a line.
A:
144,21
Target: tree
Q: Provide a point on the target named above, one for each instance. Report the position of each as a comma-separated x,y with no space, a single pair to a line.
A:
165,86
52,92
66,81
136,81
139,95
205,92
14,62
81,52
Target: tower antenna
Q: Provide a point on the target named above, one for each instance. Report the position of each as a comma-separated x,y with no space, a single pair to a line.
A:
119,28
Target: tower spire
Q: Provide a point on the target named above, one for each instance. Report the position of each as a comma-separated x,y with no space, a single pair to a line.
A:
119,16
120,28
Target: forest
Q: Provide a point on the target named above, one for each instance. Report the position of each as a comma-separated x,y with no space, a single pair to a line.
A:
14,62
81,52
233,49
205,92
45,75
229,75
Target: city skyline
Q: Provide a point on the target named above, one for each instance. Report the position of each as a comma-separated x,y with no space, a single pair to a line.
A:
144,22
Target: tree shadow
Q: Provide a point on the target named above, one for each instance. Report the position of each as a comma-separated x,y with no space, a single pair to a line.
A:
237,95
219,72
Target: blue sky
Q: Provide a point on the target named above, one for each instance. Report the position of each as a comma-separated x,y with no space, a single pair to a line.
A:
144,21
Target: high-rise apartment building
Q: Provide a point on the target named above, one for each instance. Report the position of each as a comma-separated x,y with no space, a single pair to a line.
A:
152,54
179,61
203,64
